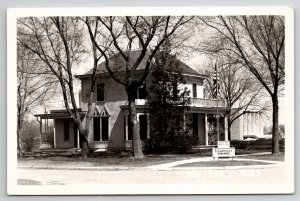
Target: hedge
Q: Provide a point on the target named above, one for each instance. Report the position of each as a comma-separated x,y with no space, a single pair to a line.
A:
259,144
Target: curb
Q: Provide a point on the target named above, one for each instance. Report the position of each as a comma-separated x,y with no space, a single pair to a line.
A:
154,169
78,168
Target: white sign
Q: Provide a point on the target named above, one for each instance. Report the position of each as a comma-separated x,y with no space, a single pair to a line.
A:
223,152
223,144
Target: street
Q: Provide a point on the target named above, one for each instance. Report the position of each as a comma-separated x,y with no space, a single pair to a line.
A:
266,177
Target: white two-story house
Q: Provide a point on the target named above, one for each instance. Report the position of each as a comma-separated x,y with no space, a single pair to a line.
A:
110,118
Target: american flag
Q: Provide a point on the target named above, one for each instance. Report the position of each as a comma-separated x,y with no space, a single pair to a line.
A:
215,83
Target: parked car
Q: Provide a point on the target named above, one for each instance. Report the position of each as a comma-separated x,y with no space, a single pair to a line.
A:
256,137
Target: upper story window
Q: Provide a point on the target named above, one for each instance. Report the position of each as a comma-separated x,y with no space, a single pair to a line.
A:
100,92
141,92
194,90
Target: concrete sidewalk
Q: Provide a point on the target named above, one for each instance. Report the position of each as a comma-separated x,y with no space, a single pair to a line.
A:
82,165
172,165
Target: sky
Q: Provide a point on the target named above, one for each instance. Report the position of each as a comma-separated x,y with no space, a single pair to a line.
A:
194,60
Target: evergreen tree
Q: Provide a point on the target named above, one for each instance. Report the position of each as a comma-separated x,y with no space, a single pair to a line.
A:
168,101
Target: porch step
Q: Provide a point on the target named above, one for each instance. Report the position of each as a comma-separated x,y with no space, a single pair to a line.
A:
56,152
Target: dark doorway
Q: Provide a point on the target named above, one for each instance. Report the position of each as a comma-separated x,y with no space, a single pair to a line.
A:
195,124
143,127
75,135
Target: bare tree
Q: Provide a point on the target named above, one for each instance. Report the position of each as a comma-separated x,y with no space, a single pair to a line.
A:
150,33
241,91
58,43
257,42
34,86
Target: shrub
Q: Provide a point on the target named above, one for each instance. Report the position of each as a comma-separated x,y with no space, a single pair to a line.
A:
29,136
282,144
181,142
259,144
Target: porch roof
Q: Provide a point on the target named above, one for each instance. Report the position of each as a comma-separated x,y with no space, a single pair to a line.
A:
59,114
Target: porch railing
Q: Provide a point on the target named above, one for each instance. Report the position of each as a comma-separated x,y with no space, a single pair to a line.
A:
195,102
199,102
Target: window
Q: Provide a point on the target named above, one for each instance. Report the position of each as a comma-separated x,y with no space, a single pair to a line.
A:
141,92
194,91
143,123
100,92
100,128
66,130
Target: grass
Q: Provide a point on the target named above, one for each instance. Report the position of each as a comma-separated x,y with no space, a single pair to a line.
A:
222,163
124,159
104,160
271,157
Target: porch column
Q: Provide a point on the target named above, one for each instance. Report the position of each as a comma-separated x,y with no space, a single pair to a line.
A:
249,124
148,126
226,127
241,128
41,131
54,134
252,123
256,124
206,131
138,124
41,126
261,128
244,124
126,127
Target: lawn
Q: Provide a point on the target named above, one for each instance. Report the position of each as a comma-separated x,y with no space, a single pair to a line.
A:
271,157
104,160
124,159
222,163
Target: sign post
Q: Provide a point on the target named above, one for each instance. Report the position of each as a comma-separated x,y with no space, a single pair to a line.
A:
223,150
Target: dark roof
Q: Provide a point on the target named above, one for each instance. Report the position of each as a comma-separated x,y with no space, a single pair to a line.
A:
117,64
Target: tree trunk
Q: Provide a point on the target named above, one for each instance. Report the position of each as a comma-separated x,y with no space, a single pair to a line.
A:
228,127
134,127
18,136
84,149
18,144
86,144
275,126
88,123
